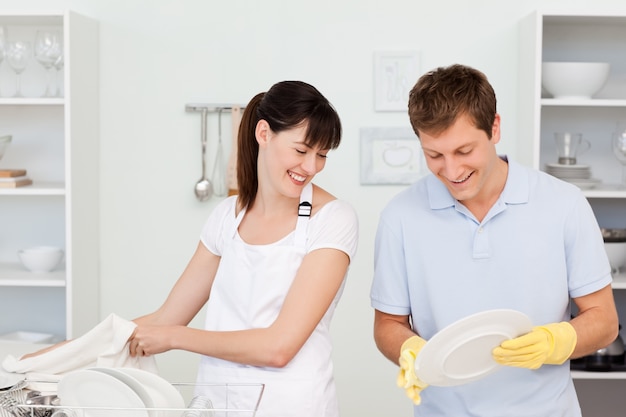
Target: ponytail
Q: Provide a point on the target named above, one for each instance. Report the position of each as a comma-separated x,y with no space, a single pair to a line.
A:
247,153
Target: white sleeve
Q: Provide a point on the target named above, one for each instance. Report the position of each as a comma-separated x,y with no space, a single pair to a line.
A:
335,226
220,221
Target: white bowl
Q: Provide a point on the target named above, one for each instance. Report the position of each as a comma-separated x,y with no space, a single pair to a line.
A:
574,80
40,258
616,252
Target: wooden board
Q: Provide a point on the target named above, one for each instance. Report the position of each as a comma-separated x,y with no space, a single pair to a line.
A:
6,173
15,184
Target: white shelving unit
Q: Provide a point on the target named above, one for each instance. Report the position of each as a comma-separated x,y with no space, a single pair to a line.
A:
56,140
578,36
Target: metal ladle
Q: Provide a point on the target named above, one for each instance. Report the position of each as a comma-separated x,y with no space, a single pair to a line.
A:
203,188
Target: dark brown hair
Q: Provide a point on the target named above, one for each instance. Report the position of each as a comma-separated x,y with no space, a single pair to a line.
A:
440,96
286,105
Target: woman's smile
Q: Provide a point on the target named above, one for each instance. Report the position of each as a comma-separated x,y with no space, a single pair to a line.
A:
296,177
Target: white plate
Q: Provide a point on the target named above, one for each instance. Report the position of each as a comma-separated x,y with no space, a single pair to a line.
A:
164,394
569,171
135,385
461,352
9,379
567,167
584,184
100,395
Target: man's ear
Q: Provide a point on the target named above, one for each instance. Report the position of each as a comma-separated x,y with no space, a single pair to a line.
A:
495,129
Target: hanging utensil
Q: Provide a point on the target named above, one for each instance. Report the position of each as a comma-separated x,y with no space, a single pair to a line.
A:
203,188
231,170
219,173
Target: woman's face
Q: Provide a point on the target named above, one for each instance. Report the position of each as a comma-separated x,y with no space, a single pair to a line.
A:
286,160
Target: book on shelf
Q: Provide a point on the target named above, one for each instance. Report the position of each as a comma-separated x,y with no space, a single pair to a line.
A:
14,182
11,173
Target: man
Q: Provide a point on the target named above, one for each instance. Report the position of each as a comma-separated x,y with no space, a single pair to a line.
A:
481,233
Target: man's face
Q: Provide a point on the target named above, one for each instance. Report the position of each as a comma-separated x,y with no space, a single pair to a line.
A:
463,157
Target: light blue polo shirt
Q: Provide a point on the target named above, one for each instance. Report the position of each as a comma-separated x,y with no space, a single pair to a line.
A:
539,245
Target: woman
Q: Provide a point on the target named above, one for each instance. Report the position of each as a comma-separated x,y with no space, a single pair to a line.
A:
270,264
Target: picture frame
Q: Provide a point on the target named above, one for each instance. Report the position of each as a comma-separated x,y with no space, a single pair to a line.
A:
390,155
395,73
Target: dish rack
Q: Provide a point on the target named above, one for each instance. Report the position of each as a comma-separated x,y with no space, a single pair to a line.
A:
229,400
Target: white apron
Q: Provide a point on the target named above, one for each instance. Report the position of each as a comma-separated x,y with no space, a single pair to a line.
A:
248,292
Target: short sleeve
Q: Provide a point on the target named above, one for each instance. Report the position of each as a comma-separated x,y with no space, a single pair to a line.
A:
220,221
587,261
389,292
335,226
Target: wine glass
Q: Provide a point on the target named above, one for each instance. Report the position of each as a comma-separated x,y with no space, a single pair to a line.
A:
17,55
3,41
58,66
47,50
5,140
619,149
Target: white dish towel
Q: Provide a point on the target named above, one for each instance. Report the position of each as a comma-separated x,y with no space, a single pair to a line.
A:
106,345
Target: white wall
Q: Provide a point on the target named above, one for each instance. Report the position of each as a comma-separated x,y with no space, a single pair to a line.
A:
158,55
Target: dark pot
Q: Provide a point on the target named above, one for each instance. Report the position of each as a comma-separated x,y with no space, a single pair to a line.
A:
607,358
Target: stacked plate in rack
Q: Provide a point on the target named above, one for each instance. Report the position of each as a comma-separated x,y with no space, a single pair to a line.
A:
579,175
119,392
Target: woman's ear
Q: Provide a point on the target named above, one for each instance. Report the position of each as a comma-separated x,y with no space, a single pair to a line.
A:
262,132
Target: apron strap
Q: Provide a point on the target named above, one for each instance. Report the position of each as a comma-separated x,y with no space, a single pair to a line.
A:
304,213
237,221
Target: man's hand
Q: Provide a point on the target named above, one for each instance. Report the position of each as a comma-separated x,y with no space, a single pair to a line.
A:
407,378
551,344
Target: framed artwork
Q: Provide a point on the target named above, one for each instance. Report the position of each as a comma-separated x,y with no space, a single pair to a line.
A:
395,73
390,155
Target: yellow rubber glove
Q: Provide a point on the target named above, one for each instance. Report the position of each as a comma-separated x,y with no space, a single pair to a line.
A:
407,379
551,344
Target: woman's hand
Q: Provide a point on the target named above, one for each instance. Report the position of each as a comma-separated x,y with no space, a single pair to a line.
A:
44,350
150,340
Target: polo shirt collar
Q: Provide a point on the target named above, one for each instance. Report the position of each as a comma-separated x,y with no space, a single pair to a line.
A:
516,189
